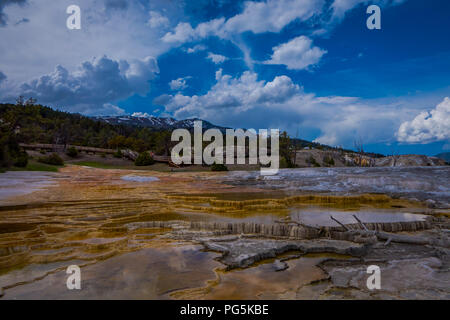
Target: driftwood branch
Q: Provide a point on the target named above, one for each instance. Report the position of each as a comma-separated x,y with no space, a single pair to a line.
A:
387,242
387,236
360,223
340,223
401,238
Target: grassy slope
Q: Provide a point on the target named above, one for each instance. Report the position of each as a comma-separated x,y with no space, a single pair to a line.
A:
36,166
162,167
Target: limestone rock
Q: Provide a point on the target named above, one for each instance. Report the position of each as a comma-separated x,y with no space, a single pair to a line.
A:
430,203
280,265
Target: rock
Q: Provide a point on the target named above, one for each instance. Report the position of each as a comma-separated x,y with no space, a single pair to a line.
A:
408,160
1,292
244,252
130,154
280,265
430,203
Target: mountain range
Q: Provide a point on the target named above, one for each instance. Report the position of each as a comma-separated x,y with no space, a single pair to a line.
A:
444,155
157,123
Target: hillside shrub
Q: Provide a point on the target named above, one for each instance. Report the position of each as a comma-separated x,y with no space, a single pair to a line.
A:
311,161
219,167
72,152
22,160
144,159
53,159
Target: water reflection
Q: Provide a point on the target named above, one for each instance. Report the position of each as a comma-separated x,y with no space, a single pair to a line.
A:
321,216
151,273
136,178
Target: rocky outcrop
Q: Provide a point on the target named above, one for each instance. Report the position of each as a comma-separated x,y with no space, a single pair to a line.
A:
245,252
410,160
129,154
333,158
298,231
287,230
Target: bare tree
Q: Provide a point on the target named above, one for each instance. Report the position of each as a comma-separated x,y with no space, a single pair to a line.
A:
295,147
20,101
359,147
30,101
395,155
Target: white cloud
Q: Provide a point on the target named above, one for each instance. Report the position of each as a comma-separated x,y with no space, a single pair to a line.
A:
233,94
93,87
248,102
427,126
2,77
341,7
196,48
106,109
178,84
216,58
3,4
157,20
183,33
141,115
108,28
271,16
297,54
257,17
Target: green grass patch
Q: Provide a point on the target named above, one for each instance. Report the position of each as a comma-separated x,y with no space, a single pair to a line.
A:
99,165
36,166
162,167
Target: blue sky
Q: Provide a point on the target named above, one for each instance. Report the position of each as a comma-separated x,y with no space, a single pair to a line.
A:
306,66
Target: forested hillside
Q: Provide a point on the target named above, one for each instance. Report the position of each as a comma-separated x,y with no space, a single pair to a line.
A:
29,123
40,124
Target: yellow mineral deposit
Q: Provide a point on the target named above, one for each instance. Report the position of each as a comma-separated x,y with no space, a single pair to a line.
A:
116,230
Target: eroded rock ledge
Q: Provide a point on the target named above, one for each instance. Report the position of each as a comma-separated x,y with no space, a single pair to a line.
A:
244,252
243,244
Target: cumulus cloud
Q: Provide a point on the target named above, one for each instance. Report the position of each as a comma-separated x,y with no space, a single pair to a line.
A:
93,87
141,115
2,77
216,58
117,29
271,16
3,4
116,4
340,7
247,102
297,54
21,21
139,72
183,33
257,17
230,93
427,126
107,109
178,84
196,48
157,20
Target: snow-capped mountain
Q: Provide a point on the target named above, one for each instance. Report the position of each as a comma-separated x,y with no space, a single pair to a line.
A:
156,123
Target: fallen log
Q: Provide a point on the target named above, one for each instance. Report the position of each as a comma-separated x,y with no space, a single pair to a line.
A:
386,236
